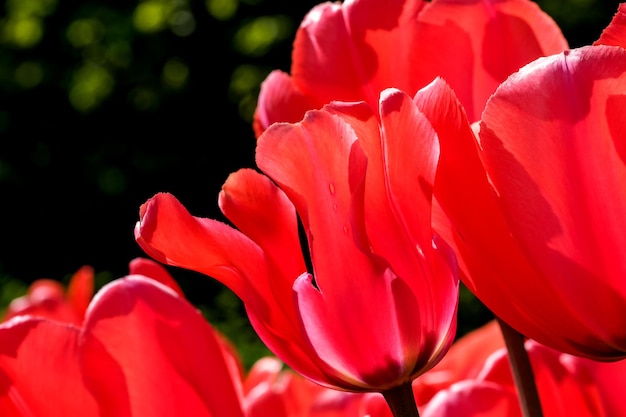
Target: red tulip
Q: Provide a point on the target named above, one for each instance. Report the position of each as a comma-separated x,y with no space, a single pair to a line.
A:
142,351
464,360
379,307
270,390
536,205
354,50
568,386
48,298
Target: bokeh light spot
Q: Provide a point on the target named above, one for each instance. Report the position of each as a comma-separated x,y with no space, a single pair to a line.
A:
112,180
84,32
150,16
183,23
222,9
29,74
256,37
246,79
30,7
23,32
119,53
175,73
144,99
90,85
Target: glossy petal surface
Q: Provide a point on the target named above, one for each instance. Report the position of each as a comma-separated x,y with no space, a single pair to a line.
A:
567,385
473,399
553,145
354,50
476,45
39,370
145,351
149,268
204,245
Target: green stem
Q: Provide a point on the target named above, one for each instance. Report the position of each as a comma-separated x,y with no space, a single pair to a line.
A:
401,401
522,371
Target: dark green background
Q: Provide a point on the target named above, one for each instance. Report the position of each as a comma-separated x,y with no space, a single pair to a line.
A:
99,111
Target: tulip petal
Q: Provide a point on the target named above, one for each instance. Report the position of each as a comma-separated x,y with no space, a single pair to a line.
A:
279,101
264,370
464,360
80,290
361,346
407,150
563,389
604,381
352,51
554,146
149,268
458,155
494,267
560,387
485,40
473,399
308,161
170,234
147,352
615,32
261,211
397,196
409,159
39,372
45,298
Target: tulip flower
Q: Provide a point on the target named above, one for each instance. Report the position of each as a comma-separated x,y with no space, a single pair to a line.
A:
271,390
378,307
48,298
353,50
569,386
536,204
142,351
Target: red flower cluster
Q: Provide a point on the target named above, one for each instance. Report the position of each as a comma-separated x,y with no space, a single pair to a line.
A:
413,144
511,151
141,349
534,203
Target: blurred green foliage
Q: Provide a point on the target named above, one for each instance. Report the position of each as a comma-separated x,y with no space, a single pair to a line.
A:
95,49
104,103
